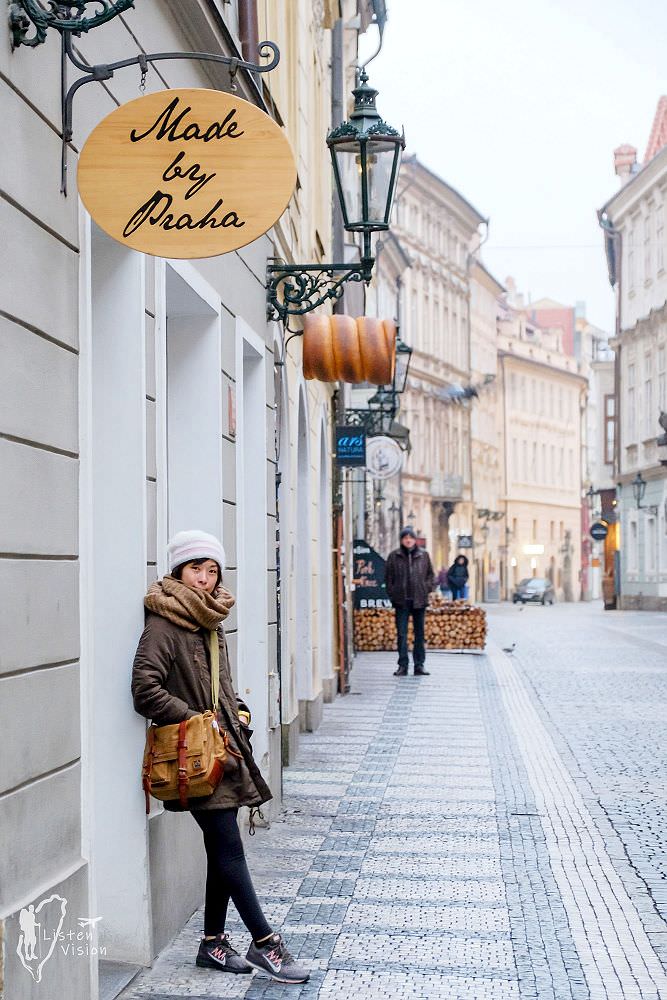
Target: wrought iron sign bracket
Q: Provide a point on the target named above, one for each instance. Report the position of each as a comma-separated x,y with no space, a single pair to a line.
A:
295,289
29,13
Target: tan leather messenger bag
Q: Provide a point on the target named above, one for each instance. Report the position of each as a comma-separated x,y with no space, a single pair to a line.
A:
187,759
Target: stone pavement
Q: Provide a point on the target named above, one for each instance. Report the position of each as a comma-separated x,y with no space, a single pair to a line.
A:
440,839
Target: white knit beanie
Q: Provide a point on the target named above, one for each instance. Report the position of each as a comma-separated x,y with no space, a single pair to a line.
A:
188,546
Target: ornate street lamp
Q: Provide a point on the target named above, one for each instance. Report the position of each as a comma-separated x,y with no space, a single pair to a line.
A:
383,408
367,149
366,157
638,491
402,367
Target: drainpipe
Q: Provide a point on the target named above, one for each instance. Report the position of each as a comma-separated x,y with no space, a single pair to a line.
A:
614,253
248,29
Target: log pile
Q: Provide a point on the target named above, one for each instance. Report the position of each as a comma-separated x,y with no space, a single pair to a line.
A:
448,625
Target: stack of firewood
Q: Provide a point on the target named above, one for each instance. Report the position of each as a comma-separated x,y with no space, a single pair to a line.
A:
448,625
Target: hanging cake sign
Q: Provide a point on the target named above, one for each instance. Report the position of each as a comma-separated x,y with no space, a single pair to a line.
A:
186,173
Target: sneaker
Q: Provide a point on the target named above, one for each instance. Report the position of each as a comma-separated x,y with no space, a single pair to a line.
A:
274,958
219,954
401,672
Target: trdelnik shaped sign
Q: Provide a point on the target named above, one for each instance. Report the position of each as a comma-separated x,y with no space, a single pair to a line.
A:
186,173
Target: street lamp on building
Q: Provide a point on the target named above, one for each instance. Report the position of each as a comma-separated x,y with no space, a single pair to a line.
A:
639,491
366,158
592,498
383,406
402,367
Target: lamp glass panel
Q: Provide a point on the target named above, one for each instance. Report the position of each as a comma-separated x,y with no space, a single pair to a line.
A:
381,179
348,167
401,369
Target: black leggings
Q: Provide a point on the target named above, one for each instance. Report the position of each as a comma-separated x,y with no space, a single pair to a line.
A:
227,874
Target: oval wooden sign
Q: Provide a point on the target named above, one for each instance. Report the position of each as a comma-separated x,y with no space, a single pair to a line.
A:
186,173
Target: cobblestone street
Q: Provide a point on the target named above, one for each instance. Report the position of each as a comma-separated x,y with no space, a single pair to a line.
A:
496,830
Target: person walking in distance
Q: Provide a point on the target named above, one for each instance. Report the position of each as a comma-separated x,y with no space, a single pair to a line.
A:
409,580
457,574
171,682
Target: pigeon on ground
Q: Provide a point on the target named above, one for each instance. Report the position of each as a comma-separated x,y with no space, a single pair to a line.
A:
509,649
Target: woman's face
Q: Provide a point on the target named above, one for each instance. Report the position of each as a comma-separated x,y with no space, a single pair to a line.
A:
201,575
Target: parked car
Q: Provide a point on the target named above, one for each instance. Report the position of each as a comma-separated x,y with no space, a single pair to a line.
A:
534,590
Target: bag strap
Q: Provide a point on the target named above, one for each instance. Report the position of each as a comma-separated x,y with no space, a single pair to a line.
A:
183,779
148,767
214,649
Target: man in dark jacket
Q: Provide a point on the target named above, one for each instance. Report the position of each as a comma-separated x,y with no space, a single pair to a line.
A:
409,580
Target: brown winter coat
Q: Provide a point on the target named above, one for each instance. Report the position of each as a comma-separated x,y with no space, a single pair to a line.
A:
409,576
171,681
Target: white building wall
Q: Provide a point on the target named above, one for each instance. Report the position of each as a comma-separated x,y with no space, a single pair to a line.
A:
638,213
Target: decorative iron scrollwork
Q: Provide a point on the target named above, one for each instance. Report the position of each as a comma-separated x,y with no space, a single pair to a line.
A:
295,289
71,16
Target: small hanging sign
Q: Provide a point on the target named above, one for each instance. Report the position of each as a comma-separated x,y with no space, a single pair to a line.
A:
186,173
350,445
384,457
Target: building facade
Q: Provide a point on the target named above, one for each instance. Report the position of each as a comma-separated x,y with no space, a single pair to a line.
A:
439,231
634,224
486,435
141,396
541,401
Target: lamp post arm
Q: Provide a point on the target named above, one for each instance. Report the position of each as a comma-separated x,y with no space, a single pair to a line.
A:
306,286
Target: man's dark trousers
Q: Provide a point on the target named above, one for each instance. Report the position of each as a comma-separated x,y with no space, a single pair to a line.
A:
419,650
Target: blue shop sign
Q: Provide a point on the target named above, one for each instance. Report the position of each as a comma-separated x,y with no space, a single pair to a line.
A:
350,446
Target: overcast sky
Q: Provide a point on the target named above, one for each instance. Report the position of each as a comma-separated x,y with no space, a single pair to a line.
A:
519,106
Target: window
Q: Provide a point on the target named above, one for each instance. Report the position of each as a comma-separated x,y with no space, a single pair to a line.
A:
660,239
632,406
522,383
662,379
534,531
524,477
413,315
649,415
647,247
543,471
515,458
650,556
552,531
632,550
631,260
570,467
533,470
609,428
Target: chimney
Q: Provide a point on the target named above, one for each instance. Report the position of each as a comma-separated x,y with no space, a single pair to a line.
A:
625,162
